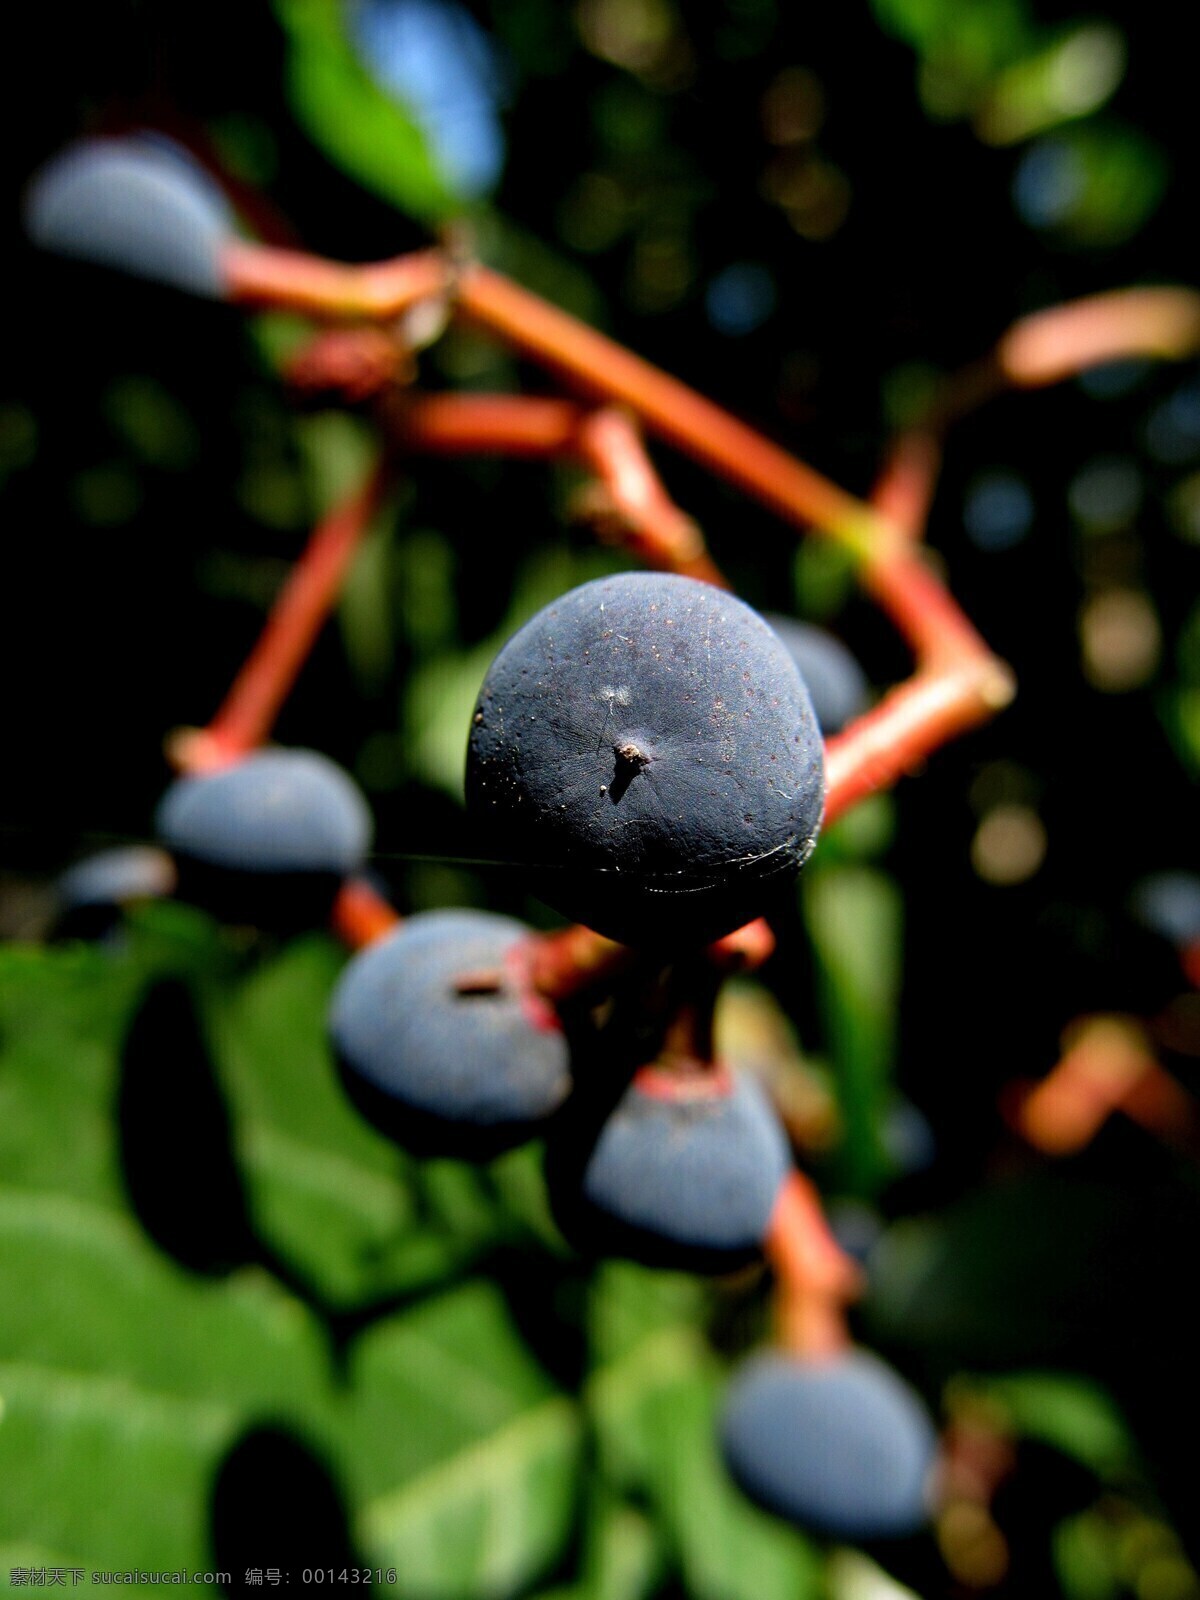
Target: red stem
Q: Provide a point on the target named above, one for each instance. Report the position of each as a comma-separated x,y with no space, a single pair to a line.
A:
601,367
658,530
909,724
290,280
634,504
474,424
1108,1067
249,709
918,603
904,490
745,949
966,685
361,915
1062,341
815,1279
571,961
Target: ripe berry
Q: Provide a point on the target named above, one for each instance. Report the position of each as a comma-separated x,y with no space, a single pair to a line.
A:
440,1044
835,682
139,203
91,894
841,1447
646,746
684,1172
268,840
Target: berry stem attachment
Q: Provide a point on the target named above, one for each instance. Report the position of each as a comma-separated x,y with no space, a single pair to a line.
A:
815,1279
361,915
573,961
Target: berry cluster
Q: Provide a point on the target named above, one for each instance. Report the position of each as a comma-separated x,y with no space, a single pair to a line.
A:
647,748
655,758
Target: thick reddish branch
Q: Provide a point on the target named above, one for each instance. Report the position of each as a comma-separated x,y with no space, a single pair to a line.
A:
254,700
590,361
958,683
909,724
485,424
918,603
576,960
290,280
628,500
572,961
646,517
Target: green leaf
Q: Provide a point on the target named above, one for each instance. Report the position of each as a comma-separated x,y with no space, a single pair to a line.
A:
728,1549
64,1013
656,1418
338,452
486,1522
623,1554
99,1465
438,701
1087,1557
823,578
365,612
627,1303
326,1192
359,127
62,1017
85,1291
861,834
619,1396
431,1381
851,1576
1073,1415
124,1382
854,918
463,1457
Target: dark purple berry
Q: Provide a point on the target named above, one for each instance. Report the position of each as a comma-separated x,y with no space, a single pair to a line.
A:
140,204
646,748
841,1446
440,1043
91,895
836,684
268,840
683,1172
